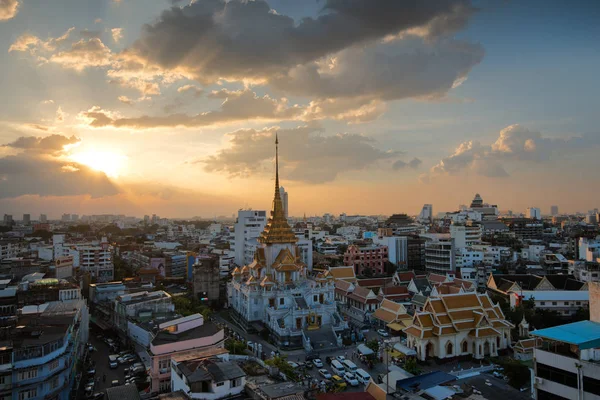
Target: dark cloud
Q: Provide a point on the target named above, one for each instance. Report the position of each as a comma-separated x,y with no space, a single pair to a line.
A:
305,154
8,9
42,168
414,164
239,40
515,143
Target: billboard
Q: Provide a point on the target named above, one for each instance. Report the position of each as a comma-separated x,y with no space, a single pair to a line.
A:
158,264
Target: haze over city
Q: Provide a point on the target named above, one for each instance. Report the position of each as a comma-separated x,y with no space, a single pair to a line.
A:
139,107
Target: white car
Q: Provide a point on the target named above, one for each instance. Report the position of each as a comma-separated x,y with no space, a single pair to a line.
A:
340,358
293,364
317,363
350,379
324,373
383,333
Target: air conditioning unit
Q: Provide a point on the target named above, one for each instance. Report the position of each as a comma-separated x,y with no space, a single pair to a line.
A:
538,380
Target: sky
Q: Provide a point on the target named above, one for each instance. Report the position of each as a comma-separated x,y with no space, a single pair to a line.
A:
171,107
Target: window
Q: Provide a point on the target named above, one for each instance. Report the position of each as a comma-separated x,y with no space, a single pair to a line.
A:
281,301
220,384
591,385
578,303
557,375
53,365
28,374
315,298
164,364
54,383
27,394
566,303
554,303
236,382
164,385
542,303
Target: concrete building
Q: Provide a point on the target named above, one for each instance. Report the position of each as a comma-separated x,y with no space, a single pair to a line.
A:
207,280
525,228
141,305
180,338
26,219
458,325
248,226
585,271
426,214
533,213
440,254
207,379
9,249
588,249
553,211
284,201
43,218
567,365
39,360
373,258
468,234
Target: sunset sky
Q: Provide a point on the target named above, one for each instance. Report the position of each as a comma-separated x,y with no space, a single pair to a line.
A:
170,107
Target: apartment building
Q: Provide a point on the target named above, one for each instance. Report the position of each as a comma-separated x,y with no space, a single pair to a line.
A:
567,365
362,258
9,249
180,337
248,226
208,379
38,361
440,254
141,305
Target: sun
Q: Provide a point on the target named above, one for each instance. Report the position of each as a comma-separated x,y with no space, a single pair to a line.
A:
112,164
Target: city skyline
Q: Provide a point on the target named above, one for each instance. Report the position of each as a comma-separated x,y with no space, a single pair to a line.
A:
132,107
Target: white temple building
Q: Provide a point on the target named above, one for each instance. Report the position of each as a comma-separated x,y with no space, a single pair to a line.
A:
276,292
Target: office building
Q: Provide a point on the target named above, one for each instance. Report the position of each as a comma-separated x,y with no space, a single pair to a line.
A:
440,254
284,201
426,214
248,226
26,219
553,211
8,220
533,213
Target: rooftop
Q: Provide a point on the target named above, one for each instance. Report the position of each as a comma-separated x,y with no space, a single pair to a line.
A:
583,334
164,337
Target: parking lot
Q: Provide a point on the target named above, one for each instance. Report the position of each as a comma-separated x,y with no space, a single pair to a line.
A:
104,374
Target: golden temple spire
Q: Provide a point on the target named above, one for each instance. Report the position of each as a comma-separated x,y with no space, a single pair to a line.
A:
277,229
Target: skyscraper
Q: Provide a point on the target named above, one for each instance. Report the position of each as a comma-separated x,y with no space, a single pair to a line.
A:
554,210
426,214
26,219
43,218
284,200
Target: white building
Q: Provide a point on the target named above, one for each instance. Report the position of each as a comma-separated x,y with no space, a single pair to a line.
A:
439,253
426,214
274,288
466,235
533,213
589,249
306,252
533,252
9,249
284,201
397,248
248,226
207,379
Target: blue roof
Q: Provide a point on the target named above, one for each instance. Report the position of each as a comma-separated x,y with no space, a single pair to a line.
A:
425,381
584,334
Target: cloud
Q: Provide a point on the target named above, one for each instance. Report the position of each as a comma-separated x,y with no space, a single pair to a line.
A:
60,115
413,164
195,90
117,34
8,9
305,154
83,54
245,40
515,143
40,168
237,106
126,100
34,45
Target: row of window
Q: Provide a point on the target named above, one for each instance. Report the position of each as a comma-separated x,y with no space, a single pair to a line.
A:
590,385
555,303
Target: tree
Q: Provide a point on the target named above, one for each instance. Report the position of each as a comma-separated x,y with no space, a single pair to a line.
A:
517,373
235,346
582,314
411,366
373,345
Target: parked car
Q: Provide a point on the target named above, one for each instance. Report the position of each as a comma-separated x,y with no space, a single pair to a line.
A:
293,364
91,371
317,363
351,379
340,358
324,373
383,332
311,356
115,383
339,382
498,375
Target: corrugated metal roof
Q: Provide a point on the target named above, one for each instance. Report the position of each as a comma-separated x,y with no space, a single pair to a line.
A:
584,334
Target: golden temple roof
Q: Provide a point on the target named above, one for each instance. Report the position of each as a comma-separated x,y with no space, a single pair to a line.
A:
277,229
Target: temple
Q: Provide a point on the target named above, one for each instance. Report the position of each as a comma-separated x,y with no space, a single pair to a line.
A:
276,291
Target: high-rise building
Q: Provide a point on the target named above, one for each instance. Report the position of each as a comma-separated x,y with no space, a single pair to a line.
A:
26,219
533,213
66,218
426,214
43,218
8,220
284,200
248,226
554,210
146,219
74,217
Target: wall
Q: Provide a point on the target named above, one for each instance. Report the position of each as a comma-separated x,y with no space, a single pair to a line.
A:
594,290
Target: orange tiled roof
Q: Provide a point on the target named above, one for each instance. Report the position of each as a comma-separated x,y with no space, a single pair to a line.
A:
425,320
384,315
458,301
344,272
391,305
461,315
483,332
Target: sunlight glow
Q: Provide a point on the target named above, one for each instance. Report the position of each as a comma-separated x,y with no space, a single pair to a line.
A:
112,164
